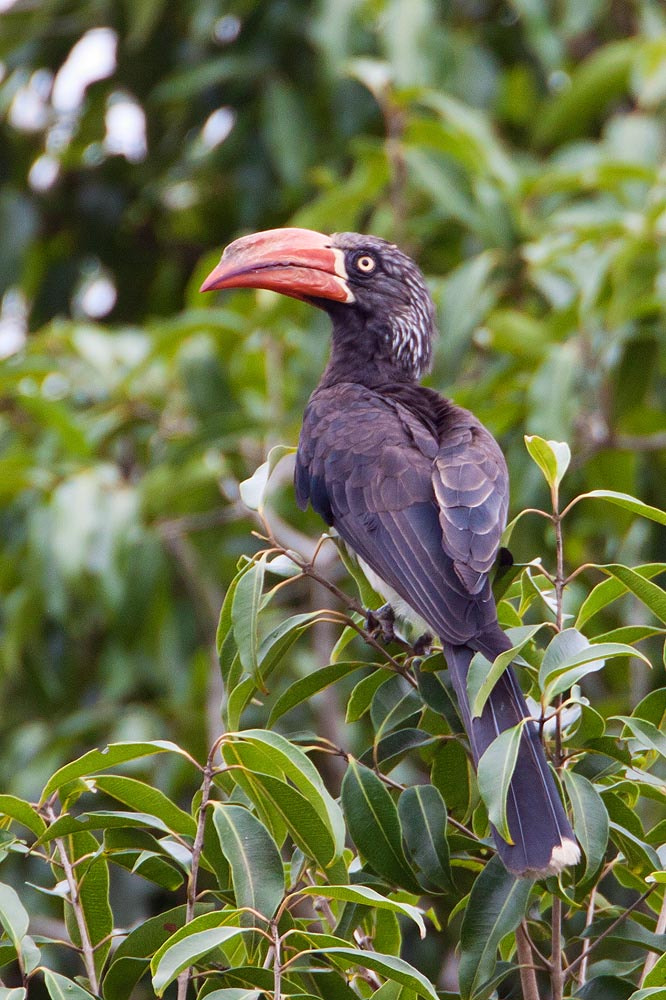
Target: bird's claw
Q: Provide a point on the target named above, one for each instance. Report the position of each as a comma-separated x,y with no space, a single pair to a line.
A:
422,644
380,623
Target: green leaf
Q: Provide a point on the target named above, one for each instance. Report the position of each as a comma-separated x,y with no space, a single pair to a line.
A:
657,974
374,826
280,640
393,704
22,812
437,692
256,866
646,733
649,992
13,915
552,457
253,490
496,906
630,634
391,749
361,697
494,774
422,813
61,988
393,968
590,819
483,676
102,819
450,774
641,858
308,828
170,961
311,684
610,590
244,616
233,993
224,638
596,82
625,501
99,760
275,755
367,897
147,799
131,958
570,657
13,992
652,708
649,593
238,700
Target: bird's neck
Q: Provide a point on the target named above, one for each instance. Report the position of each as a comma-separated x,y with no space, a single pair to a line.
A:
360,354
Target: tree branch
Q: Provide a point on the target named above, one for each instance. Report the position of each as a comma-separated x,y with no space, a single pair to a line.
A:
87,949
609,930
528,980
197,847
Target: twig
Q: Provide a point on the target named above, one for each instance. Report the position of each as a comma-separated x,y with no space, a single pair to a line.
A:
589,917
351,603
542,958
652,957
623,916
277,961
556,975
197,847
87,949
528,979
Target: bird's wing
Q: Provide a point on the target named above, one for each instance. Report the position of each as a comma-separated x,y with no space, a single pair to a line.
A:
372,469
471,485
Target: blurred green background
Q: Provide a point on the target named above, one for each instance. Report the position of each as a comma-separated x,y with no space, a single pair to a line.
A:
516,149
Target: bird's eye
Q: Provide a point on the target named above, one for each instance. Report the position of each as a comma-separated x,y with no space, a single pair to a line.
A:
365,263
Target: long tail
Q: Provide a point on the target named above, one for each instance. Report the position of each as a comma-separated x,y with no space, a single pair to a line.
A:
544,842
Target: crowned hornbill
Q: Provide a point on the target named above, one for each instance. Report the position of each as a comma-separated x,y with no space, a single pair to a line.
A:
413,484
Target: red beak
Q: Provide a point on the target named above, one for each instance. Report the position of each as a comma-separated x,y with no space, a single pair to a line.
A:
296,262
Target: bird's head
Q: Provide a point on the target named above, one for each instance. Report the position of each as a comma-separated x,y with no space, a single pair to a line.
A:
375,294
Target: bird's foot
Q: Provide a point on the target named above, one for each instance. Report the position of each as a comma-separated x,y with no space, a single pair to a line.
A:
380,623
422,644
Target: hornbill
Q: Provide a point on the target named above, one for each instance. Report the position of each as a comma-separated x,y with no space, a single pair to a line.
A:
415,486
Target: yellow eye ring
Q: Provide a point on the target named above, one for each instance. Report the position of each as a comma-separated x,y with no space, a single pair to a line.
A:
365,263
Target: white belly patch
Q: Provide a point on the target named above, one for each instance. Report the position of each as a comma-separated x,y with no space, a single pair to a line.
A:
399,605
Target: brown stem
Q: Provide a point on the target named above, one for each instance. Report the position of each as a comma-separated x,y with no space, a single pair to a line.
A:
623,916
528,979
351,603
197,847
556,976
277,962
87,949
589,917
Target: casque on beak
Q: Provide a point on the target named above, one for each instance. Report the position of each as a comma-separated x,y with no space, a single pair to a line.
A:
295,262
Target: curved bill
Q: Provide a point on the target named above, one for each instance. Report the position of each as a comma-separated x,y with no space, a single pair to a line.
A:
296,262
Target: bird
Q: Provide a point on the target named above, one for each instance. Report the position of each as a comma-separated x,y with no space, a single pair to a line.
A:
416,487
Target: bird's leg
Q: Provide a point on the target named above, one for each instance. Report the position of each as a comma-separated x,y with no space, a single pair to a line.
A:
422,644
380,623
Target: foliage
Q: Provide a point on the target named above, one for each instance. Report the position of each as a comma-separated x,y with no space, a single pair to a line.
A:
516,150
276,901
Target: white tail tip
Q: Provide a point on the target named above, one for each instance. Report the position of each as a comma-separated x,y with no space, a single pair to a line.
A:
565,854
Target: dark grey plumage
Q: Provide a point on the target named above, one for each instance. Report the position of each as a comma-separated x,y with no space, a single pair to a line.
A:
415,486
418,489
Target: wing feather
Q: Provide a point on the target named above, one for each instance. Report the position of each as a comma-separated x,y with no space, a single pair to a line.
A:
423,508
